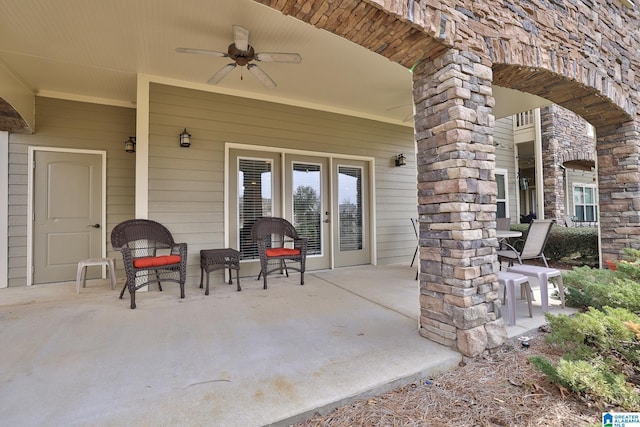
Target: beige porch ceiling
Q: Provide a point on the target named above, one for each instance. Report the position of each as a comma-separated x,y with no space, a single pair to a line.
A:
93,50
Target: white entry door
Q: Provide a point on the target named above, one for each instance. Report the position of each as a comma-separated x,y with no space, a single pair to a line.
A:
67,220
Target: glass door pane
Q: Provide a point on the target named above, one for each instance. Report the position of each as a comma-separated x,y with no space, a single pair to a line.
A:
255,188
307,205
351,209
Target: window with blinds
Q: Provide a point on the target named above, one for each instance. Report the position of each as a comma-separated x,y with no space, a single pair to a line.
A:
254,200
350,208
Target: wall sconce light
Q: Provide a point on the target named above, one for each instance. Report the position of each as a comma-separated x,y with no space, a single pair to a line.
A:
524,183
130,145
401,160
185,138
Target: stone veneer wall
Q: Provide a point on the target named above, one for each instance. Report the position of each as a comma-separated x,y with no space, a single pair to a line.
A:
564,139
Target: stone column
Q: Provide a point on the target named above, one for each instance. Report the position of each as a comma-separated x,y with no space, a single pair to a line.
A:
618,150
457,203
553,177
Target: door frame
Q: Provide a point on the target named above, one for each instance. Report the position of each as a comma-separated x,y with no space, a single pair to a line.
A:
370,161
30,201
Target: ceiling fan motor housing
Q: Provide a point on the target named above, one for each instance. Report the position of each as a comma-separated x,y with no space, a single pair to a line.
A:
242,57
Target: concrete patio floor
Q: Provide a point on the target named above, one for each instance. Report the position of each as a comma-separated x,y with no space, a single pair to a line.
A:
249,358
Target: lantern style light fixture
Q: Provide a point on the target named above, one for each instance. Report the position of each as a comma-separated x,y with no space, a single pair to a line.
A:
185,138
401,160
130,145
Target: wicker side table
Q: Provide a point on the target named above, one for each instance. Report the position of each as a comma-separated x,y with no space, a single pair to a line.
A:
219,259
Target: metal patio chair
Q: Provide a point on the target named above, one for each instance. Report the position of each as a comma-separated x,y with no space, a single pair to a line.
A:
279,244
533,247
150,255
416,225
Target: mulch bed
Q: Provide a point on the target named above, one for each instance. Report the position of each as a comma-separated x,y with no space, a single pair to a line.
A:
502,389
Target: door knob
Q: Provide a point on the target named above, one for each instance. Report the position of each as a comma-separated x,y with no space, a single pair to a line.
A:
94,225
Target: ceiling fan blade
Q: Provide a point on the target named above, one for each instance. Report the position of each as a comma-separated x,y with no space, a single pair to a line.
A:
399,106
241,37
292,58
221,74
261,76
201,51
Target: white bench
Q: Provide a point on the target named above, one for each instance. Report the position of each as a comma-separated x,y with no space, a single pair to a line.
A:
82,271
509,281
543,274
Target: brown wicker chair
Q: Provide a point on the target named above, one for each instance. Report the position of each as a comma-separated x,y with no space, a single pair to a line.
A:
278,242
149,255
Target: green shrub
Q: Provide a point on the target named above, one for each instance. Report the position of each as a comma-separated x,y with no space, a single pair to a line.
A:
594,378
572,245
600,352
585,335
587,287
601,345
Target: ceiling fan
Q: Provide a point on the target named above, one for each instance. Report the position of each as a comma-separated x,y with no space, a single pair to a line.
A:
409,116
242,53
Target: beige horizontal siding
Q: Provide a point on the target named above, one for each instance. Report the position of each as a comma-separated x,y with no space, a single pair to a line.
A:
503,136
186,184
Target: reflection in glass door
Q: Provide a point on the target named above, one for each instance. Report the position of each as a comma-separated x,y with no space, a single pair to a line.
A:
254,200
351,201
350,208
306,185
254,192
307,204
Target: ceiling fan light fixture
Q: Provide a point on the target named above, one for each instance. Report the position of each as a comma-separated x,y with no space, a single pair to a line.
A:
243,54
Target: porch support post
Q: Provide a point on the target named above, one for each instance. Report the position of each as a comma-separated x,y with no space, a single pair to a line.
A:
618,150
459,305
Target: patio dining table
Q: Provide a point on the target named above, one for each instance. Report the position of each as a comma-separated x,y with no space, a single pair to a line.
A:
504,235
507,234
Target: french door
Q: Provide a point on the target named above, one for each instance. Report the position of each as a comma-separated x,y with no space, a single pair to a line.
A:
325,199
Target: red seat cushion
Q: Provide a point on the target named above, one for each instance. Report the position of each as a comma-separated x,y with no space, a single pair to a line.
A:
156,261
282,252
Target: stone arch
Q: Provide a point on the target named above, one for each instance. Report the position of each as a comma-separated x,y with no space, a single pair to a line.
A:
11,120
586,101
547,49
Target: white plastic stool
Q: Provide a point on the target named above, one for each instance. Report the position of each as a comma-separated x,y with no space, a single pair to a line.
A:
82,271
543,275
509,281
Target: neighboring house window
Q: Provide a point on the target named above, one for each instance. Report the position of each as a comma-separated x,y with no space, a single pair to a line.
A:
590,130
585,202
502,200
